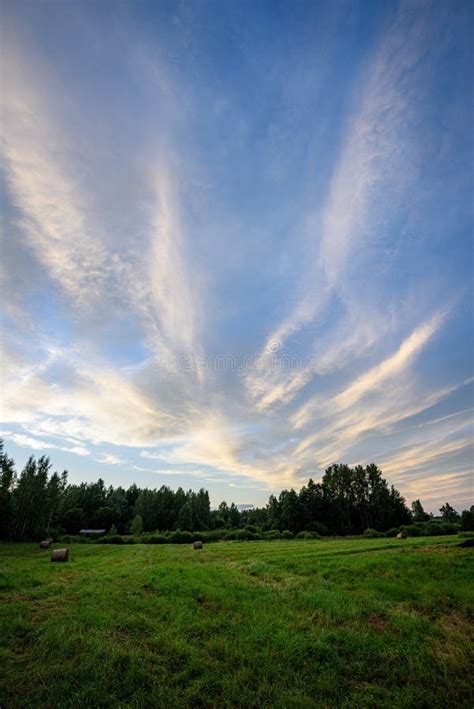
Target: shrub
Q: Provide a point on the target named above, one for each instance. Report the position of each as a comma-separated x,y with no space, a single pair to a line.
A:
74,539
427,529
372,533
433,529
212,535
286,534
241,535
128,539
180,537
272,534
308,535
114,539
110,539
157,538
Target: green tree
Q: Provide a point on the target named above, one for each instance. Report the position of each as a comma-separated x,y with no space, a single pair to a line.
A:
7,481
104,517
338,483
419,514
73,520
234,516
185,517
449,513
273,513
136,527
290,510
145,507
467,520
311,506
29,500
202,510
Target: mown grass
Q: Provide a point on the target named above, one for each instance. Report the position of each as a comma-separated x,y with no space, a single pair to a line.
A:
330,623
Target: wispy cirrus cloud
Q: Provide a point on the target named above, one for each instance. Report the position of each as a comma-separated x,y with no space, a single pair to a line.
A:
166,210
36,444
373,174
40,167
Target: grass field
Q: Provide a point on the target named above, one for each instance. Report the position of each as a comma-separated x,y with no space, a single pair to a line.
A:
330,623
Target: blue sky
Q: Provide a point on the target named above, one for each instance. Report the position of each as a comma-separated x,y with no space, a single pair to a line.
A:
238,242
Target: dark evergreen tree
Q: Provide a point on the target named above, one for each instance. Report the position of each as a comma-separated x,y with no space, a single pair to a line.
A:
290,514
419,514
7,481
467,520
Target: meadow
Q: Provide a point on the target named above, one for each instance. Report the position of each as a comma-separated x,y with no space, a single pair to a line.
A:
311,623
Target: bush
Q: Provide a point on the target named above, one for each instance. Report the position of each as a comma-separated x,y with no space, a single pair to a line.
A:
272,534
412,530
110,539
232,535
425,529
241,535
180,537
308,535
74,539
156,538
212,535
113,539
177,537
434,529
286,534
372,533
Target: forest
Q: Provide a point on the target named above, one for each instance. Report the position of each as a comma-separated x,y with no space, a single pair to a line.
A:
349,500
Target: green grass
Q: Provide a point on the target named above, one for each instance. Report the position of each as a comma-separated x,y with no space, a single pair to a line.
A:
330,623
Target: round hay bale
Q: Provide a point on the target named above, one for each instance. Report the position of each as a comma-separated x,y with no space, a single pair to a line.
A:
197,545
401,535
60,555
44,544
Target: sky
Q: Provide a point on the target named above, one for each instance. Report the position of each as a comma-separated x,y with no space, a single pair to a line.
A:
237,242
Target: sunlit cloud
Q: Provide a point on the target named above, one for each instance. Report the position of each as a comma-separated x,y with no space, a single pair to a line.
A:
305,219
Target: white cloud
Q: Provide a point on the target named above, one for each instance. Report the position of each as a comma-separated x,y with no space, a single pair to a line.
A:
110,459
37,444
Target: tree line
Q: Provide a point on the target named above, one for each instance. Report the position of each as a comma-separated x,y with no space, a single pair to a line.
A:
38,502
